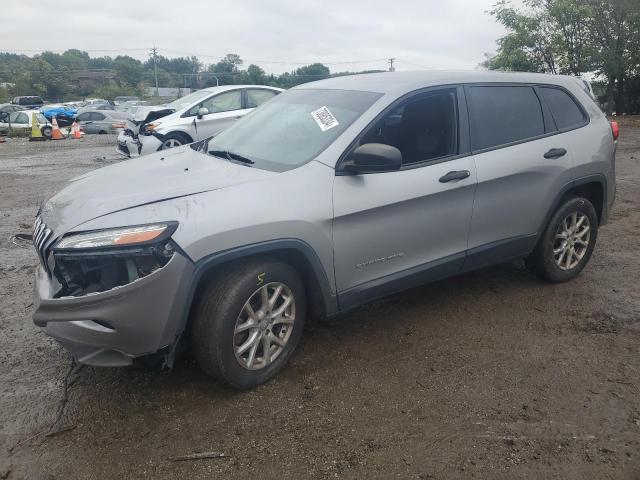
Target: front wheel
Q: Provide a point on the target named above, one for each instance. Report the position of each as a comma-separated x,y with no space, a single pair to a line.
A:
46,132
249,322
173,140
567,243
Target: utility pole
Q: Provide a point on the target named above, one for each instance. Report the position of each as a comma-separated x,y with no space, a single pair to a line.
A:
154,52
391,67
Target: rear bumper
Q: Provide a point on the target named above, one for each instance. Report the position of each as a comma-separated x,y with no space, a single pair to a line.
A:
114,327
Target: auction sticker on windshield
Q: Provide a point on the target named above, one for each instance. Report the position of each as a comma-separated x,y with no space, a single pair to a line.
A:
324,118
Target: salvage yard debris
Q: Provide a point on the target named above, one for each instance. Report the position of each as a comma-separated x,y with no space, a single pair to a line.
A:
198,456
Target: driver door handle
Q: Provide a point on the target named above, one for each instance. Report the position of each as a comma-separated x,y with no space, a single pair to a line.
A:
555,153
455,175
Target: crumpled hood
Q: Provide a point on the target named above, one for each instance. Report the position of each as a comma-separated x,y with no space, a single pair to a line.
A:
156,111
160,176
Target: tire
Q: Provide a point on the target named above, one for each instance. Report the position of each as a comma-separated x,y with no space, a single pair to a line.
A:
553,259
172,140
222,308
46,132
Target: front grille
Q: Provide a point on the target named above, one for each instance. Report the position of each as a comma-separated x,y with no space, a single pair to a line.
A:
41,234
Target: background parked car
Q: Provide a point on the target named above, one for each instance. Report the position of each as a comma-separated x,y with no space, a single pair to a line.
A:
194,117
123,99
22,120
6,109
28,101
100,121
96,106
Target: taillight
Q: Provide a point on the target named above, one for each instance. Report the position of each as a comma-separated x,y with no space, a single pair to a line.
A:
615,129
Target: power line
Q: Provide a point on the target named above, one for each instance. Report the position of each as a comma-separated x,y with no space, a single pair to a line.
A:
159,50
67,49
278,62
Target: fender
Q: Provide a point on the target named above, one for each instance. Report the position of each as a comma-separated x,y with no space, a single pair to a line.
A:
597,177
205,264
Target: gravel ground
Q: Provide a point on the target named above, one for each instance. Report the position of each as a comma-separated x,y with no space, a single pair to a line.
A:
489,375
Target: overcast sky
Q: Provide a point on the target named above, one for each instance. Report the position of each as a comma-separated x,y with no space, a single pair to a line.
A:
278,35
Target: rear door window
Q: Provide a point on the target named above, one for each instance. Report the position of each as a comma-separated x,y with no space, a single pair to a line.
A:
84,117
224,102
564,109
257,96
97,117
500,115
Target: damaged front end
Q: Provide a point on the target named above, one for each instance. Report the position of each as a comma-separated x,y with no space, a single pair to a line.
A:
84,273
129,139
94,262
113,296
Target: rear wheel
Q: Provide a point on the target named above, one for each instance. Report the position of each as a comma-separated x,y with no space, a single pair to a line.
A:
249,322
46,132
567,243
173,140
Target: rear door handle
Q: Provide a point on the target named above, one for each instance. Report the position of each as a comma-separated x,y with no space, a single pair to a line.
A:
455,175
555,153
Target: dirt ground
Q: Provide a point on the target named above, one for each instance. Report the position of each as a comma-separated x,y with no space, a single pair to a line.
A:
489,375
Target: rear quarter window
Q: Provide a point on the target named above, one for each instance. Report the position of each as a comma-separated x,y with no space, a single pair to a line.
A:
500,115
566,113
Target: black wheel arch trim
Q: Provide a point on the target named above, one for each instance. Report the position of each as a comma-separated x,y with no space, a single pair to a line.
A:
206,264
597,177
163,137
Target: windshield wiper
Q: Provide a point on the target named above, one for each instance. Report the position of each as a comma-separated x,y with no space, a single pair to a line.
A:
231,156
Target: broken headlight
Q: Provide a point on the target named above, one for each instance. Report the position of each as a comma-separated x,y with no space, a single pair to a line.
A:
100,260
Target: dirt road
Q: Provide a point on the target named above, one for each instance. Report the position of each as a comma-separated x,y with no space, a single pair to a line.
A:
489,375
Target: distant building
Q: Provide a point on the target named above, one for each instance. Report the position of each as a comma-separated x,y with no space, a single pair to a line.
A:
167,92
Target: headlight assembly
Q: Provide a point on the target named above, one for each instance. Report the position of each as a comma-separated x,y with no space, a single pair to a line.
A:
117,237
101,260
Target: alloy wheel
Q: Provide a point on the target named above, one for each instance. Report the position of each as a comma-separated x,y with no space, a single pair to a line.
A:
171,143
264,326
571,240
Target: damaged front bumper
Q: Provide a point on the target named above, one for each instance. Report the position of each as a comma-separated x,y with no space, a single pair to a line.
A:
130,146
113,327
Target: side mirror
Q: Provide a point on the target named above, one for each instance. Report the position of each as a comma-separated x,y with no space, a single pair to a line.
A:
202,112
373,157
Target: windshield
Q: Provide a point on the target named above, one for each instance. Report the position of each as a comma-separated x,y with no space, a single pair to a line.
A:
292,128
187,100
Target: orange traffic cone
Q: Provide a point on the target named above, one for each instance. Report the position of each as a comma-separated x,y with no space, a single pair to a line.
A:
56,134
75,131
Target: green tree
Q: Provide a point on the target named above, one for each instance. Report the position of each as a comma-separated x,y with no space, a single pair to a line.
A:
255,75
571,37
130,71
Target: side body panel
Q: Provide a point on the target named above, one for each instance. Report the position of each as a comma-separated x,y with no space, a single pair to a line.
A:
389,222
516,188
214,123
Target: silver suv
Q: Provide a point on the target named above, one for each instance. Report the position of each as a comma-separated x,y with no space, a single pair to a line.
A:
330,195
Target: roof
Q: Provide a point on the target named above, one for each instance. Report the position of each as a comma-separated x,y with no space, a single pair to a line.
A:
223,88
400,82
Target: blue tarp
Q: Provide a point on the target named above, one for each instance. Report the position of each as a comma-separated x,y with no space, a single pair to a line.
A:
59,112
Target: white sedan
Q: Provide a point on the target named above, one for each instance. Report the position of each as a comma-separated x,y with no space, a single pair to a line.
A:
22,121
